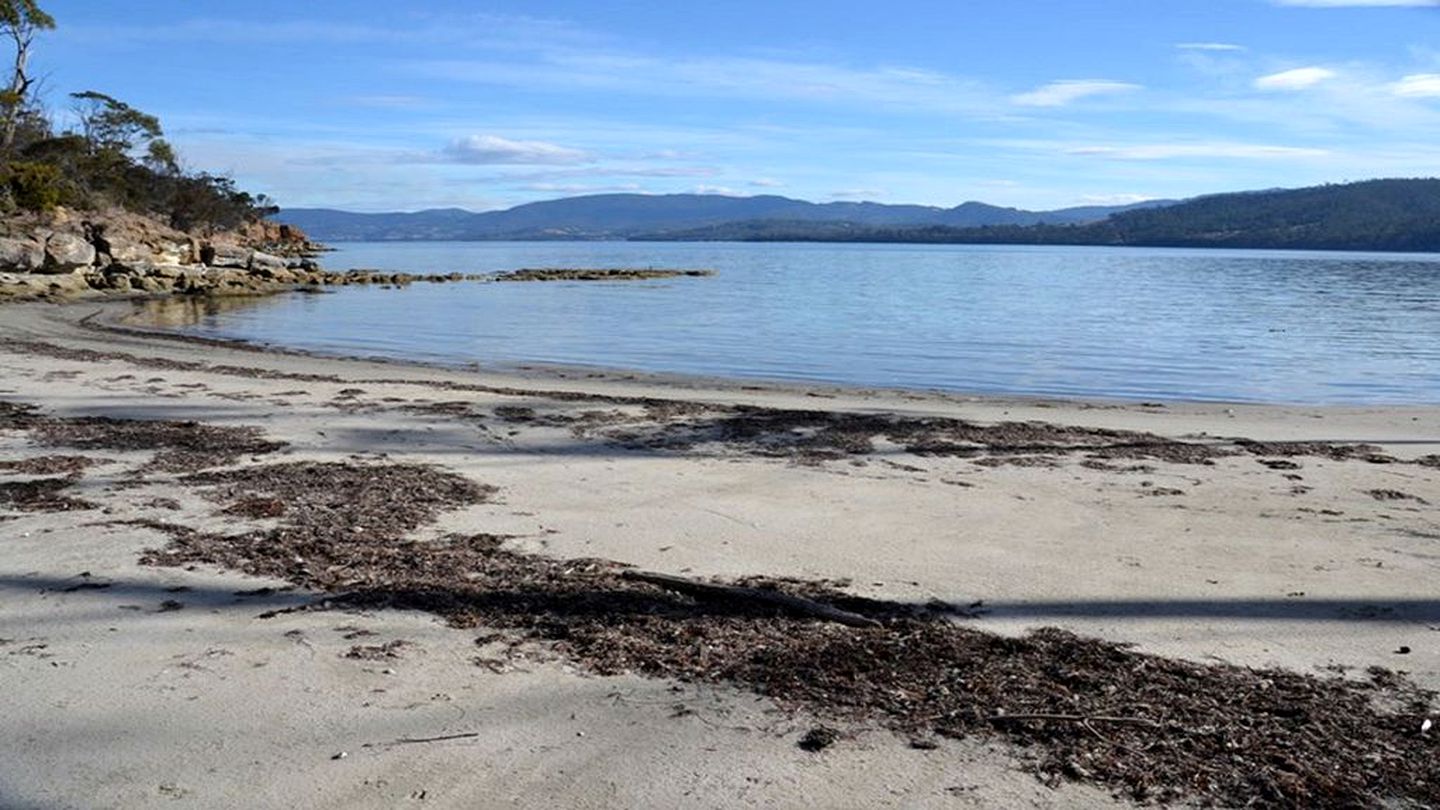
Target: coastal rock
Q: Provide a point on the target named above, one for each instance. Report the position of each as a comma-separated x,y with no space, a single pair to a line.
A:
66,253
123,252
64,285
154,284
129,238
266,264
223,255
21,255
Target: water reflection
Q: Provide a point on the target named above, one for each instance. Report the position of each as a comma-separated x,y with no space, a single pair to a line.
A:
183,311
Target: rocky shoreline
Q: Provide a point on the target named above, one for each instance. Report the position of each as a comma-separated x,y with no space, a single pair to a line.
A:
66,255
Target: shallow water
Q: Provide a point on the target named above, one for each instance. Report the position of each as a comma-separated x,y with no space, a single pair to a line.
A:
1057,321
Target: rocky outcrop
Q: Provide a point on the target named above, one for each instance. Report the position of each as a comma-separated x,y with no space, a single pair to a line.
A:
278,239
194,279
129,239
66,253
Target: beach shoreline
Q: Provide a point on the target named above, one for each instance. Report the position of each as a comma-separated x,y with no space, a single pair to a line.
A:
1257,559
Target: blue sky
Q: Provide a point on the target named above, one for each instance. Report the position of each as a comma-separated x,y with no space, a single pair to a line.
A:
1041,104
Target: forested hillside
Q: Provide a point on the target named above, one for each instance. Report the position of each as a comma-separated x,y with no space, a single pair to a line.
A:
1386,215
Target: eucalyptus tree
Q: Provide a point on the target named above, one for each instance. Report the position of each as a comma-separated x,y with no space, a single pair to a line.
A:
20,20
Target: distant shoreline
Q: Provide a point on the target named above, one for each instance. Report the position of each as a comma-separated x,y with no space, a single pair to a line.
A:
1435,253
1384,215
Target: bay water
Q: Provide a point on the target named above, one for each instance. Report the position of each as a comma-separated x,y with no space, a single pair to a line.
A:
1126,323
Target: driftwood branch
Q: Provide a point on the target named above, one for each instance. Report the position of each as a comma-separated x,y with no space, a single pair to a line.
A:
798,604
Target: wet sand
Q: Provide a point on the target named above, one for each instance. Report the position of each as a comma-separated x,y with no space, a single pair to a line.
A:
137,692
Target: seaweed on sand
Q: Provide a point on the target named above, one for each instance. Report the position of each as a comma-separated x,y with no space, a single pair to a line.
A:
1149,727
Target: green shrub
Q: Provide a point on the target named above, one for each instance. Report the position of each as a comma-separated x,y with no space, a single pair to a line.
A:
34,186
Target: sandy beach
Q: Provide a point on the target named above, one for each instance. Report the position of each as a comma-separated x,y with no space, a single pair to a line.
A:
1244,537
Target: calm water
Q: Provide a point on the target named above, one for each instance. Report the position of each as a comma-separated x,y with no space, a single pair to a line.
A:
1096,322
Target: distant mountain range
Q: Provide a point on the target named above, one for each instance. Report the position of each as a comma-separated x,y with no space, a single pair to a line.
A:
625,216
1381,215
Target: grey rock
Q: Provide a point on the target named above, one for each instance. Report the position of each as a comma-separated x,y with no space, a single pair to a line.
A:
23,256
66,253
266,262
226,256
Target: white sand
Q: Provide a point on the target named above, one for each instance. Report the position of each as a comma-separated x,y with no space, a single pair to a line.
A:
128,706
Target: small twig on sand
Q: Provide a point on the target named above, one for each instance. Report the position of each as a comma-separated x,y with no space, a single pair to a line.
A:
467,735
413,740
799,604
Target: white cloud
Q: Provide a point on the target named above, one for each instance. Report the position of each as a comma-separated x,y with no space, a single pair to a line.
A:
1358,3
857,194
1208,46
492,150
1167,151
1297,79
723,191
667,154
578,188
1058,94
765,182
1114,199
616,170
1418,85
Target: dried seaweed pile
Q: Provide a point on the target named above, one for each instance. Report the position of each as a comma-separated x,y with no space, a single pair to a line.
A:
180,446
1152,728
41,495
341,525
49,465
812,436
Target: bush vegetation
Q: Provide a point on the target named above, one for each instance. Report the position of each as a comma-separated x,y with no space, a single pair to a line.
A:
113,155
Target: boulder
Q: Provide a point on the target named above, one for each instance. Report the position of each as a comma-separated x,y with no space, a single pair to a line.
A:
223,255
167,251
121,251
66,253
20,255
265,263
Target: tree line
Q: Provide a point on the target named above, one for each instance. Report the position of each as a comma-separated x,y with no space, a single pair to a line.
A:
112,155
